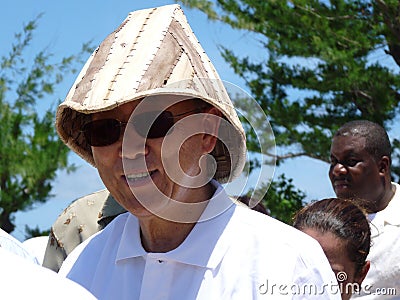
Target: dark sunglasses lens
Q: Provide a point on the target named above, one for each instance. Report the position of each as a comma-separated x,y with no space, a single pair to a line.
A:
105,132
102,132
153,124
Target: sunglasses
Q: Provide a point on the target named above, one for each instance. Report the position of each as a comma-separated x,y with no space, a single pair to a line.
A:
150,125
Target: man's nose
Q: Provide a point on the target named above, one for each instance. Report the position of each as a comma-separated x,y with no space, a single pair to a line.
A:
338,169
133,145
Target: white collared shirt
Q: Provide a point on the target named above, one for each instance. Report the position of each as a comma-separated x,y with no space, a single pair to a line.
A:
383,278
239,254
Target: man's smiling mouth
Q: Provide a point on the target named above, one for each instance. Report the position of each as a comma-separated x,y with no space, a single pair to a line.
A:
138,176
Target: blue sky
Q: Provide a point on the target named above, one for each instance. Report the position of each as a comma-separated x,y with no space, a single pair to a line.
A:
66,25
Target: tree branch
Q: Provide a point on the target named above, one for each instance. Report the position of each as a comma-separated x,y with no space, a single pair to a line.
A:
294,155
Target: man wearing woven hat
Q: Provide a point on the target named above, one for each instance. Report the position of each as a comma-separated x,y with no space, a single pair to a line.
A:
149,111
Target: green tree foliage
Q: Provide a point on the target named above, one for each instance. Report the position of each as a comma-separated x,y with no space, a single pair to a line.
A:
30,151
322,67
282,199
35,232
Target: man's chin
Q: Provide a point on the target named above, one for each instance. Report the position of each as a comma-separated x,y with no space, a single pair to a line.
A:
344,192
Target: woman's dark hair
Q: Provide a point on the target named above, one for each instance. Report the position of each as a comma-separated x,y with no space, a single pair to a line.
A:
342,218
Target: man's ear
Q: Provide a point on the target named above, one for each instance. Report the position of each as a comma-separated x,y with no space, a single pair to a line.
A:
363,272
211,123
384,165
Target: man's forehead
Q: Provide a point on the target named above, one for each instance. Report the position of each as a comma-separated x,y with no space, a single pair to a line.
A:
348,144
118,111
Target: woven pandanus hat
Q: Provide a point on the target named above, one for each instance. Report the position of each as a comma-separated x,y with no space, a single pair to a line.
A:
153,52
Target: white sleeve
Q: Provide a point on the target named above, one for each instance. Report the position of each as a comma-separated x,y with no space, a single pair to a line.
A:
21,279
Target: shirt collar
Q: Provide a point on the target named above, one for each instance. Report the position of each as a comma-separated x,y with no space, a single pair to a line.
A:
206,244
387,216
391,213
130,244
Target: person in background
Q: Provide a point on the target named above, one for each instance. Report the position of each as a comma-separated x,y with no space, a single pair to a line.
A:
342,229
79,221
37,246
360,169
150,112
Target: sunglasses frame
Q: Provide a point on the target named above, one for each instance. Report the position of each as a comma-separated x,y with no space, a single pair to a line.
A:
121,126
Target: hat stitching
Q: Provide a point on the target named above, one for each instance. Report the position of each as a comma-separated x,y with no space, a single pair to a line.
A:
194,58
130,54
123,23
99,59
162,64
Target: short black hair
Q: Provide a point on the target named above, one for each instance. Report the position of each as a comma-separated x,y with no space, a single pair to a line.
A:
377,141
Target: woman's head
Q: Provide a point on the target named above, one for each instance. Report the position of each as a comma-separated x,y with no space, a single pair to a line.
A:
343,231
